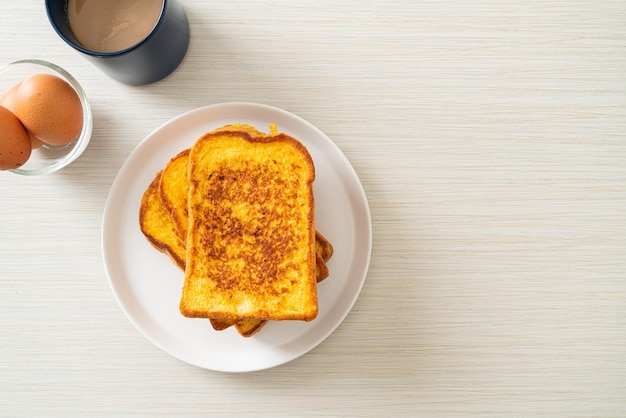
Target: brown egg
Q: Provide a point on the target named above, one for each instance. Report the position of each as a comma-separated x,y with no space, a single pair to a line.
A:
15,145
8,101
49,108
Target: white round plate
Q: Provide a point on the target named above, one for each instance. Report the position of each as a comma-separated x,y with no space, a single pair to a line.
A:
147,285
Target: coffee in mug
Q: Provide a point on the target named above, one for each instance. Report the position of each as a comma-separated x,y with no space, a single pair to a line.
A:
112,25
133,41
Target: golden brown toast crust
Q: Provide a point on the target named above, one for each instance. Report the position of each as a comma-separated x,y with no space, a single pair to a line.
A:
323,247
250,242
173,187
169,214
155,223
248,327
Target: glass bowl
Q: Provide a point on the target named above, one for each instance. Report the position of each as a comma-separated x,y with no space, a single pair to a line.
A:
48,158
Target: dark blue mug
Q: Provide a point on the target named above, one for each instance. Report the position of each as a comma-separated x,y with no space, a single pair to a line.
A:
157,55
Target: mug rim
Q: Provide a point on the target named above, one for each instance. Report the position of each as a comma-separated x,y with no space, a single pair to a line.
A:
91,52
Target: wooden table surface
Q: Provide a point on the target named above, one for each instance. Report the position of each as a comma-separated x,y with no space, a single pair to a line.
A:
490,139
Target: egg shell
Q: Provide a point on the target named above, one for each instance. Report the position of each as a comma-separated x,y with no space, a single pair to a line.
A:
8,101
49,108
15,148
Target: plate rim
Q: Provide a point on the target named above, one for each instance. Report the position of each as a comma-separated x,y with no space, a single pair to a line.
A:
212,108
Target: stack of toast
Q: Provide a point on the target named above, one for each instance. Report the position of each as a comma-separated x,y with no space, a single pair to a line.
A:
236,213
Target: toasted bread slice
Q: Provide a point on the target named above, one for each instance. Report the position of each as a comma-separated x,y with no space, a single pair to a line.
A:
174,187
323,247
174,190
160,229
156,224
252,200
248,327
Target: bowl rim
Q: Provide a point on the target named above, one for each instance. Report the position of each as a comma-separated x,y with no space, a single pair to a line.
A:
78,145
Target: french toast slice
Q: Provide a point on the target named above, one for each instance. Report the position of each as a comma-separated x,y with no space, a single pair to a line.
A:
251,239
174,184
173,187
323,247
248,327
156,224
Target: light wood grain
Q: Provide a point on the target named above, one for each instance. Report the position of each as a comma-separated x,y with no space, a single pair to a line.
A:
490,138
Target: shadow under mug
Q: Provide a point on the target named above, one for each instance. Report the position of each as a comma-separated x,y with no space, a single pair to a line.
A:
148,61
